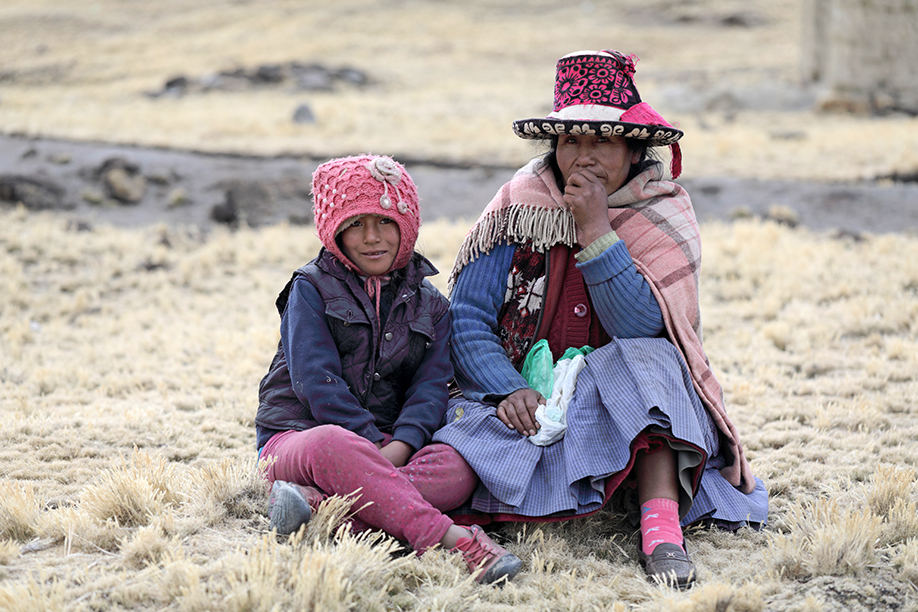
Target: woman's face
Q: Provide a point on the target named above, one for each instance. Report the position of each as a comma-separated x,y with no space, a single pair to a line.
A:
371,243
608,158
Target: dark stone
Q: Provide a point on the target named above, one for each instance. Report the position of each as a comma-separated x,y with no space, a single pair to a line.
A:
225,82
116,162
179,82
33,192
353,76
738,20
122,180
224,213
901,177
247,202
163,176
303,76
303,114
313,77
268,73
238,73
79,225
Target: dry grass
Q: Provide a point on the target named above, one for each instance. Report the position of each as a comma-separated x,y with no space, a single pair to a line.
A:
129,478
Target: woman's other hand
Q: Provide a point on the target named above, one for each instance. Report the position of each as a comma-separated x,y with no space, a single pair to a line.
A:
517,411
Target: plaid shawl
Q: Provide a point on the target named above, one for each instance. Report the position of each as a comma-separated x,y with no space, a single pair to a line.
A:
656,220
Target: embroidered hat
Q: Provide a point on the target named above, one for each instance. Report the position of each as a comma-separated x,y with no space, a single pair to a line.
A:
595,94
349,187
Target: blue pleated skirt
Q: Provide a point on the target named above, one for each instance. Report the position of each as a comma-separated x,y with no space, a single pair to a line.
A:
629,388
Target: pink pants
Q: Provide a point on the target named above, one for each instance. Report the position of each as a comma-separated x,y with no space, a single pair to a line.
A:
408,502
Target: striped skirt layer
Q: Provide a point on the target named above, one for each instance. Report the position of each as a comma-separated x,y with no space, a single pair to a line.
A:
632,392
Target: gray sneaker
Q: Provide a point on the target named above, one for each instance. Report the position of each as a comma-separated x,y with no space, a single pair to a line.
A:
288,509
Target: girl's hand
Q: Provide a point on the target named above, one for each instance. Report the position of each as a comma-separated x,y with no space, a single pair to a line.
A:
397,452
585,196
517,411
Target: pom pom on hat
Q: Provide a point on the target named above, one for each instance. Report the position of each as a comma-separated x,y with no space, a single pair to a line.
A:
350,187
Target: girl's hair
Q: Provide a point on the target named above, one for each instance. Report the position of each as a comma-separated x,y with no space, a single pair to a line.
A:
648,156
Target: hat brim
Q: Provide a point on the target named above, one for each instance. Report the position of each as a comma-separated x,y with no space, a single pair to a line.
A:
546,127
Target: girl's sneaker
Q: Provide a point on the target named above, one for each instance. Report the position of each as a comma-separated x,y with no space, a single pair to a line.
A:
481,553
288,508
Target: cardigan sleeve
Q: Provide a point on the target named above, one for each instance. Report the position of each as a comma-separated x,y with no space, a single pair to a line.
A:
482,367
621,295
315,366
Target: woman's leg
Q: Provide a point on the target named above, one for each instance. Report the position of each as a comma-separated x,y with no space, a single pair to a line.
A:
656,474
658,494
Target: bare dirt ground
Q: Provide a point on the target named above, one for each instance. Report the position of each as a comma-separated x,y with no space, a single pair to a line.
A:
162,154
209,189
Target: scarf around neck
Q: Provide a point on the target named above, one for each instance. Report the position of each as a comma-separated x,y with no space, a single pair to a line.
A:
656,221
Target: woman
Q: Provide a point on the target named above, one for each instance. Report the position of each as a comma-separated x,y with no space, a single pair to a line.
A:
588,245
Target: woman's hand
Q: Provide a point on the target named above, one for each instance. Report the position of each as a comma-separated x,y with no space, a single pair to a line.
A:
585,196
396,452
517,411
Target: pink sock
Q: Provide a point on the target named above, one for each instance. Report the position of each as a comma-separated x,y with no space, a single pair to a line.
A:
659,523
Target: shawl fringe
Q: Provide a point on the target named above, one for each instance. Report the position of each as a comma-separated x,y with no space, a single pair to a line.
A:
541,227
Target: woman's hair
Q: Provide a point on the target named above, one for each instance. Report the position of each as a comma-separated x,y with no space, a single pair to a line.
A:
648,156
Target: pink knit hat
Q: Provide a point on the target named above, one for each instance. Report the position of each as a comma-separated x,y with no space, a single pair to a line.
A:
350,187
595,94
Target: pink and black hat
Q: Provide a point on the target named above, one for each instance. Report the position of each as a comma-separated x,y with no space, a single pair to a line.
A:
595,94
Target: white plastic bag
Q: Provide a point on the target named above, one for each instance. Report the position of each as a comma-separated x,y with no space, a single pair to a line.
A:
552,416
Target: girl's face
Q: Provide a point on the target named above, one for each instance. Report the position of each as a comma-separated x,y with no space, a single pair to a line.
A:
371,243
608,158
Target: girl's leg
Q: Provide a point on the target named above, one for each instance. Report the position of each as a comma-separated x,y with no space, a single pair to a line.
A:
441,475
339,462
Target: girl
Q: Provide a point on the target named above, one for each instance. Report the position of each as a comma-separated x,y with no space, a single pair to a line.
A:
359,381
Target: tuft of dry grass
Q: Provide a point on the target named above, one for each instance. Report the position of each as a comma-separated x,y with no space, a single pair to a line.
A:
230,488
149,545
9,550
892,485
133,492
33,595
906,561
19,511
823,539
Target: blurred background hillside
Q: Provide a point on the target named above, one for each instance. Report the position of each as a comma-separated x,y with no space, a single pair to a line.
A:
428,80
